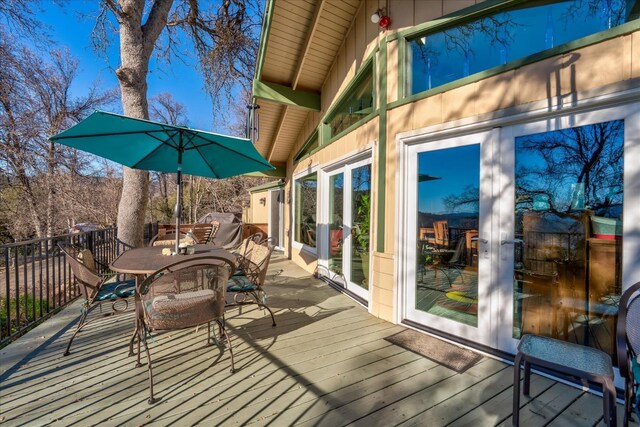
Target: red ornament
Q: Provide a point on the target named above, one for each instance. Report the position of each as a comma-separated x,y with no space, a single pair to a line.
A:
384,22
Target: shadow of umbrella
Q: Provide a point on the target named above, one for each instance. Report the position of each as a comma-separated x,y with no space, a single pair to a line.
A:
143,144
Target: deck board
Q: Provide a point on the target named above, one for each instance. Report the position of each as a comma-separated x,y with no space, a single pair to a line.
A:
326,363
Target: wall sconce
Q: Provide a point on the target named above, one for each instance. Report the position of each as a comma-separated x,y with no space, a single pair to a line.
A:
263,201
380,17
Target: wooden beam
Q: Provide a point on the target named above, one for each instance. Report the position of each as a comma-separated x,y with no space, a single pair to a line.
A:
307,43
286,95
277,134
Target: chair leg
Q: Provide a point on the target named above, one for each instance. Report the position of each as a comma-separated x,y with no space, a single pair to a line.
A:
81,323
262,305
527,378
516,390
226,337
609,392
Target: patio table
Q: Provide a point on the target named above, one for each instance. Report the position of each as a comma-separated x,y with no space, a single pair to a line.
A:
144,261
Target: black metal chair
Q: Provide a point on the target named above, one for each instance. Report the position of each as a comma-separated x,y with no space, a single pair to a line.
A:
97,290
628,349
184,295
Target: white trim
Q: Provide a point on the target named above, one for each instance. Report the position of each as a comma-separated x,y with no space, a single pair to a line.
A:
345,165
310,170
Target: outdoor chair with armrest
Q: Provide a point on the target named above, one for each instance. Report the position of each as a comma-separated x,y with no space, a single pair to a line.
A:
628,349
184,295
247,284
96,289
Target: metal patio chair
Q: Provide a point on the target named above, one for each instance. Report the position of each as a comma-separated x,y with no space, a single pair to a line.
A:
628,349
97,290
247,285
184,295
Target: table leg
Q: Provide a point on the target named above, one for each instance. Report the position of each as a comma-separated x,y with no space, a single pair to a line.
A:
137,314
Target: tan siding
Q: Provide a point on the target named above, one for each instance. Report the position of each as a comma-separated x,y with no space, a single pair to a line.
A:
597,65
401,14
427,10
635,54
259,212
496,93
392,71
450,6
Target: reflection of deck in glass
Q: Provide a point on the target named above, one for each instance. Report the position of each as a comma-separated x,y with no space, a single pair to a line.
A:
449,292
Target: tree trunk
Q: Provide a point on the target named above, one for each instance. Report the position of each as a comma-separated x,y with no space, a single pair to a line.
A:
51,187
136,45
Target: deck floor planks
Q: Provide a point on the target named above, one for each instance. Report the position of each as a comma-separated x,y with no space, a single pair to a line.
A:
326,363
448,410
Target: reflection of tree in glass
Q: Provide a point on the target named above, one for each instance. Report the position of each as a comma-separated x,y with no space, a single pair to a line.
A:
495,28
613,12
466,201
548,163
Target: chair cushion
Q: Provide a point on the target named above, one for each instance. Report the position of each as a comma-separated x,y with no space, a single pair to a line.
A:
240,284
177,311
115,290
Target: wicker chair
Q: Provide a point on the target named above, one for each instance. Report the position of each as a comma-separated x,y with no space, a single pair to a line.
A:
184,295
628,348
247,283
97,290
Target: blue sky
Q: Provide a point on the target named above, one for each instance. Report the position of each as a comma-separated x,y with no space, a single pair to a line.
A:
181,78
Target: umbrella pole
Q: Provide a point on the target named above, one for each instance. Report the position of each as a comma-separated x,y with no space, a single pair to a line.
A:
178,209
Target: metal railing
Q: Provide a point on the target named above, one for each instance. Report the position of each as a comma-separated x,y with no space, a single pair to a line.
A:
36,281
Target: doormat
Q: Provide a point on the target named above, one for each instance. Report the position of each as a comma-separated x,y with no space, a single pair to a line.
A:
446,354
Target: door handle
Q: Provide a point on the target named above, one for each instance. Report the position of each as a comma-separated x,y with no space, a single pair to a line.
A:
511,242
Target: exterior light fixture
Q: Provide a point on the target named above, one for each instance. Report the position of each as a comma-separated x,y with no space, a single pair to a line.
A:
263,201
380,17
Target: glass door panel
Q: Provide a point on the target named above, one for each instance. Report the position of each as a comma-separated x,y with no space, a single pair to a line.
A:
360,199
448,190
336,208
448,237
568,233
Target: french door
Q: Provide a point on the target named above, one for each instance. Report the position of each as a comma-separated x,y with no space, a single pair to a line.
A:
448,221
348,214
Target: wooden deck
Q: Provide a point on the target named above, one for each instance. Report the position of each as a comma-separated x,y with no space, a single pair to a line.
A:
326,363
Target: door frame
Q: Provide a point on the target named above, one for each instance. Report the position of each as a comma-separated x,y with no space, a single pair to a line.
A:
484,334
280,225
621,104
630,113
343,166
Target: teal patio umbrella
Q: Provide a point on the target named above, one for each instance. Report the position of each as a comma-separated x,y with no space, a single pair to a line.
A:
147,145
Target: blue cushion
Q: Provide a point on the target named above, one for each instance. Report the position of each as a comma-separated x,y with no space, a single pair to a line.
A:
115,290
238,272
240,284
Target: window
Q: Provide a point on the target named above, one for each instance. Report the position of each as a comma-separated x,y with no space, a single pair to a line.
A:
568,229
306,202
311,145
355,105
438,58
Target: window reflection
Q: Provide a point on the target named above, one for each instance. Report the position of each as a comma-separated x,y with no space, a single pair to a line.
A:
306,196
358,104
361,226
448,218
568,229
442,57
336,198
